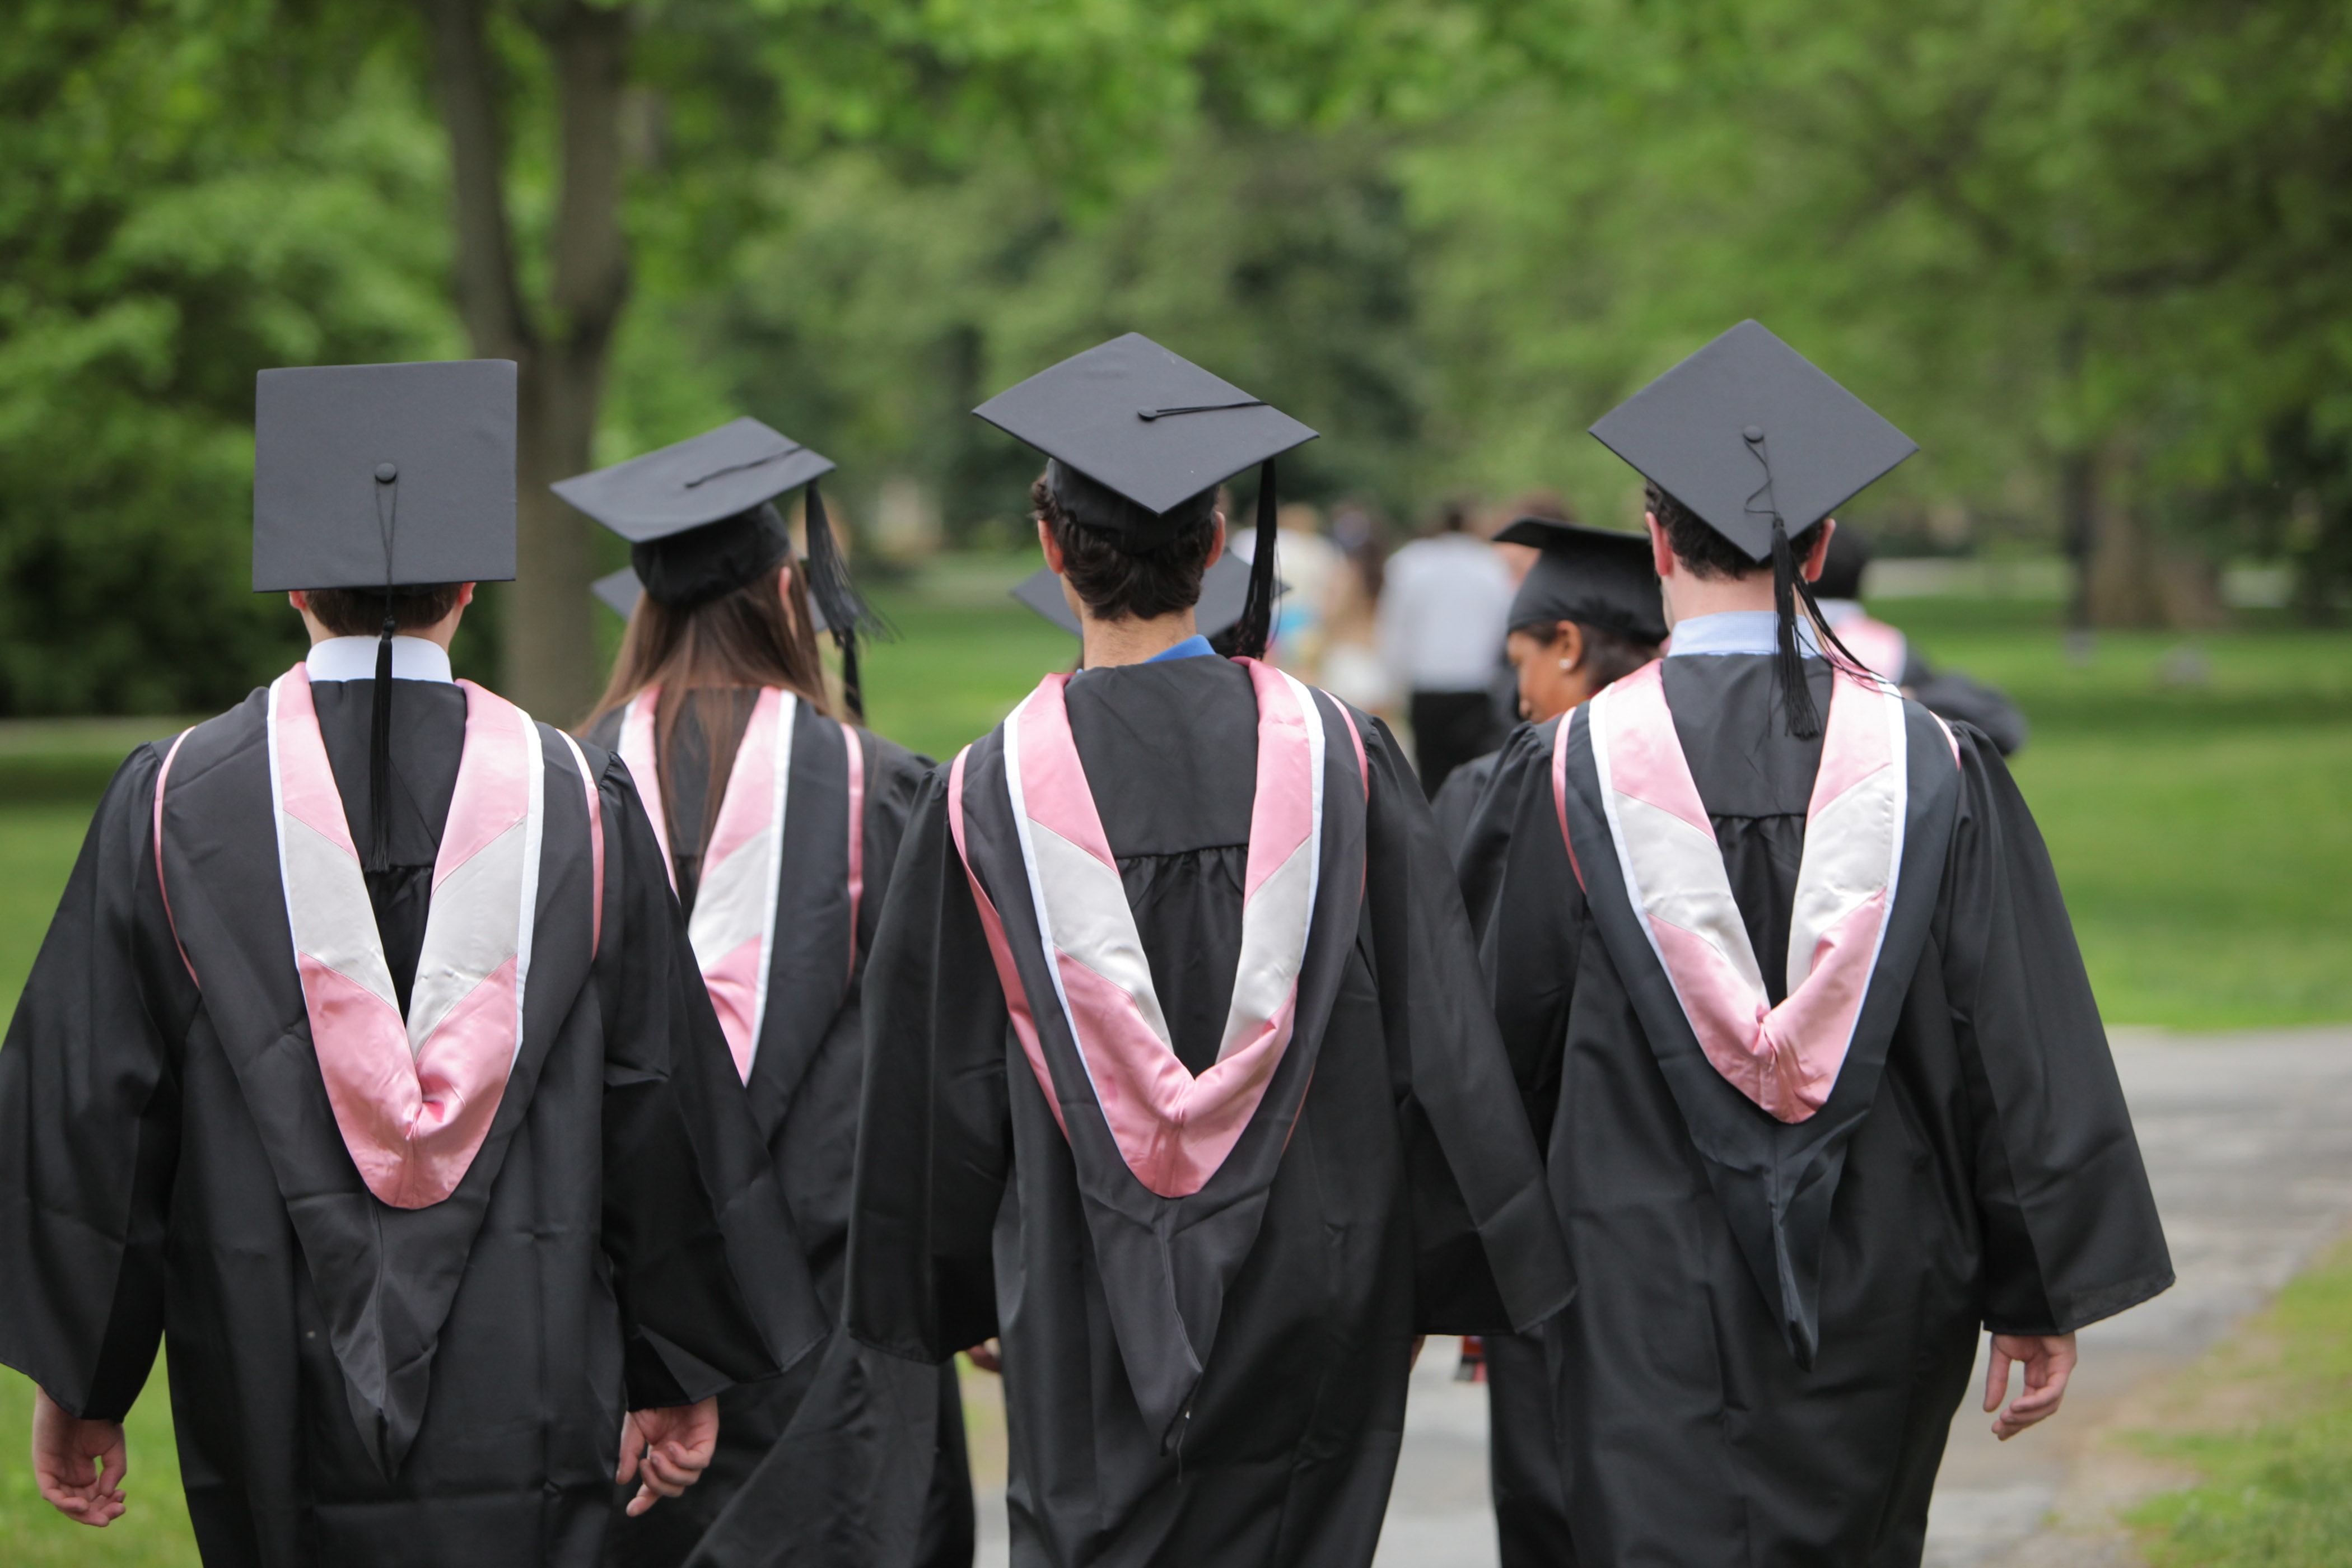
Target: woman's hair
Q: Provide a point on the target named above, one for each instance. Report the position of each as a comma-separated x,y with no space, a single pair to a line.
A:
359,612
1711,556
744,638
1117,583
1609,656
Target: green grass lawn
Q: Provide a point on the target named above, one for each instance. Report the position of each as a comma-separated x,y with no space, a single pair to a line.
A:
2277,1492
2198,807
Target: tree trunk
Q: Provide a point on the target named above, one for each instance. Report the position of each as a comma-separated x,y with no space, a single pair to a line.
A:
561,350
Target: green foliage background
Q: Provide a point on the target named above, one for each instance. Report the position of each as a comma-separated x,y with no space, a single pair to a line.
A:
1448,233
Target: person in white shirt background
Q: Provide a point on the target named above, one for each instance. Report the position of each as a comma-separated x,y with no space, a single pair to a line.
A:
1441,618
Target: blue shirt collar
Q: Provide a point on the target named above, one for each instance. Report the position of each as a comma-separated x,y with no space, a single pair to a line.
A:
1738,631
1194,647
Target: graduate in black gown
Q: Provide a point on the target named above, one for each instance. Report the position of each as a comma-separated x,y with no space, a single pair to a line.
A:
854,1460
366,1064
1884,648
1586,613
1823,1088
1280,1138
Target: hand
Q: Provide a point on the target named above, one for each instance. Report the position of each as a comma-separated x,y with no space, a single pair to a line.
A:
989,1356
2048,1360
65,1455
669,1447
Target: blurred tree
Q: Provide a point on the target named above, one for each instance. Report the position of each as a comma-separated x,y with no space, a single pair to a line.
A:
163,231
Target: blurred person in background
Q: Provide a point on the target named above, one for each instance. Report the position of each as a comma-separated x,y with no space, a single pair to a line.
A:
1887,651
1308,566
1443,613
1586,613
1352,671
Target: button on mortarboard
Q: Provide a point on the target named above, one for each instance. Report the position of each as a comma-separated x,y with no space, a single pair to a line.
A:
1747,428
1597,577
1143,422
355,463
695,482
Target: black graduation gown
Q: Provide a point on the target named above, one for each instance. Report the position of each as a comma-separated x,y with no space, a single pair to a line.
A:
1403,1198
1991,1179
350,1383
854,1460
1456,801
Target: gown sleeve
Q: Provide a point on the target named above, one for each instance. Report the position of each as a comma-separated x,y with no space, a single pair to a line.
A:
2071,1228
1527,917
895,779
934,1145
714,1290
1490,1252
89,1101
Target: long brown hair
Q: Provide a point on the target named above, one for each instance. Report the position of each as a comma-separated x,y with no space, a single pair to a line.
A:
741,639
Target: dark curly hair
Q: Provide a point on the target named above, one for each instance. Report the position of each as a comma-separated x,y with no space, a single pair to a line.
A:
359,612
1117,583
1711,557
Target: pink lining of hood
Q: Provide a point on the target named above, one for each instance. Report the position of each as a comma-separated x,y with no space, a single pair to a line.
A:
412,1113
1173,1129
1785,1058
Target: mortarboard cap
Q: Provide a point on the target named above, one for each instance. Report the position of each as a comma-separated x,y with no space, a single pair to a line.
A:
700,521
1135,432
712,476
383,476
1597,577
1224,589
1748,430
619,591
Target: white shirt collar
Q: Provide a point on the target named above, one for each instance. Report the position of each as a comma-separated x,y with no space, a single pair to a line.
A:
353,658
1738,631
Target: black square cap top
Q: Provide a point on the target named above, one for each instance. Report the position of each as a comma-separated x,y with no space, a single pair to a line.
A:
1747,427
1224,587
1145,423
373,476
712,476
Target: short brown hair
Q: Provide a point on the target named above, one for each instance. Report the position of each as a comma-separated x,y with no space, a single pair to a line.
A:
1711,557
359,612
1117,583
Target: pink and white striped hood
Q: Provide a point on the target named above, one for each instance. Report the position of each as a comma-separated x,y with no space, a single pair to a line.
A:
412,1099
733,927
1785,1058
1173,1129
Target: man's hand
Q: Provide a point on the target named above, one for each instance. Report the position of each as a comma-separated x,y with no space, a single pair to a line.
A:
988,1355
667,1450
2048,1361
66,1453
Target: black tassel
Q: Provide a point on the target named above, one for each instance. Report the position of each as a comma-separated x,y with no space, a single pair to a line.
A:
847,615
379,855
1803,720
1255,628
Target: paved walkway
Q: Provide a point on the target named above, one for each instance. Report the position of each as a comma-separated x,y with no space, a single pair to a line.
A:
2248,1142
